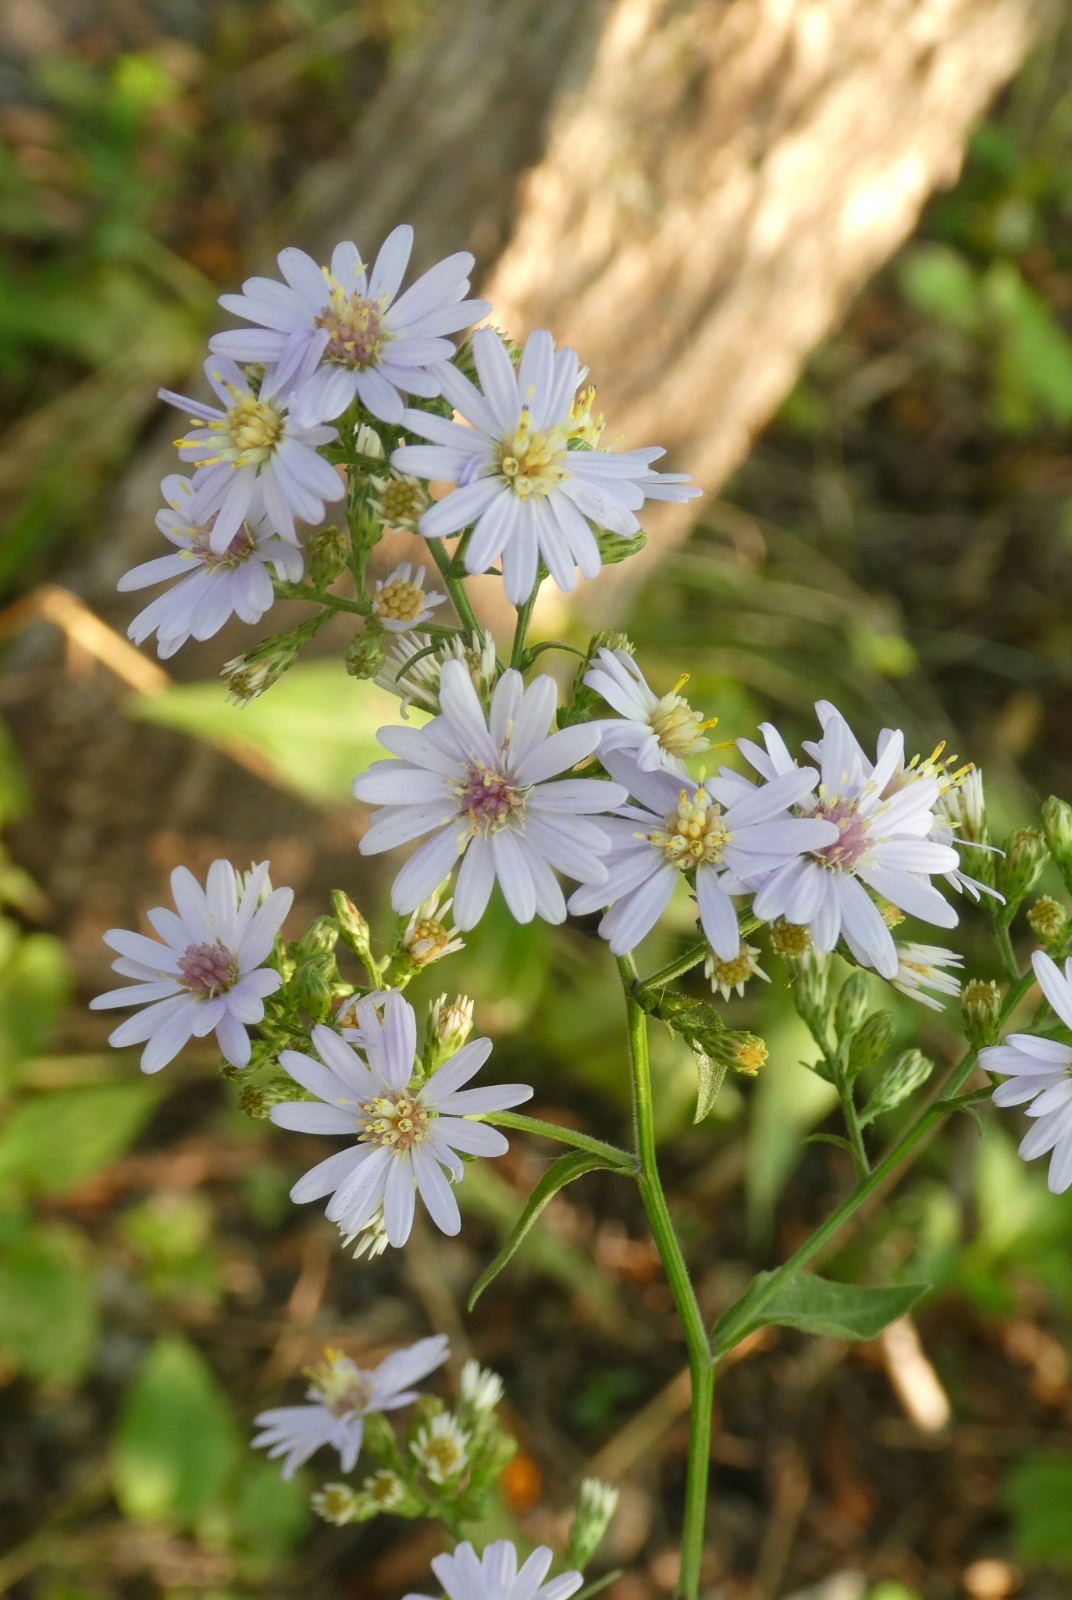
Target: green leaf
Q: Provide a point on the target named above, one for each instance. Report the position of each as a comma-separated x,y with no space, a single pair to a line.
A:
710,1076
273,1516
938,281
820,1306
565,1170
615,547
48,1308
315,729
53,1142
176,1444
1039,1495
34,989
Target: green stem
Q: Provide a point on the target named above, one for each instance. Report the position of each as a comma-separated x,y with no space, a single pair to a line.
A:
524,616
847,1097
552,1130
675,969
736,1328
455,587
701,1362
1005,949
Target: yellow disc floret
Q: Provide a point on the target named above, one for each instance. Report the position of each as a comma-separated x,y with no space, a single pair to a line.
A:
694,834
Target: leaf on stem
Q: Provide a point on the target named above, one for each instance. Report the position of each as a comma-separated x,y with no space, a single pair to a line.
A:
816,1305
710,1076
565,1170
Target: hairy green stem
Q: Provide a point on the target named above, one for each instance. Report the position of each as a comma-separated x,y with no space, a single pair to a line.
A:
674,969
847,1097
455,587
701,1362
524,616
1005,949
553,1130
735,1328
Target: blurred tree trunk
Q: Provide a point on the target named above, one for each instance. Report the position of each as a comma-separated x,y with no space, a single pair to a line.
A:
689,191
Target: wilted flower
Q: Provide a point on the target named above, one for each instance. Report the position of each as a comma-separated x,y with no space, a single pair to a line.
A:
919,967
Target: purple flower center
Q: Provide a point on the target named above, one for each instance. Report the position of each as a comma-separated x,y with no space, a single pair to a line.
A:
491,800
356,333
240,548
852,841
208,970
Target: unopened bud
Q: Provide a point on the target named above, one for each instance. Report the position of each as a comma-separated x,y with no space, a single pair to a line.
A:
311,990
326,554
337,1503
789,939
367,442
596,1505
353,928
908,1073
451,1024
871,1041
1021,868
811,982
319,939
746,1052
851,1007
980,1004
386,1491
1049,923
249,675
1057,826
480,1389
366,655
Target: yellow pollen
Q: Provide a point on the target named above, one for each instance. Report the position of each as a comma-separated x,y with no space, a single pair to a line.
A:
428,941
734,972
355,326
533,460
678,728
399,600
340,1385
694,834
397,1121
401,501
250,429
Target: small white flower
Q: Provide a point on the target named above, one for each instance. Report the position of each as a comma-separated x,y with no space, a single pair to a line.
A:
727,835
209,972
413,666
212,587
495,1576
481,1389
408,1129
480,784
659,731
428,938
528,493
254,454
348,331
961,818
370,1239
450,1022
919,967
399,502
1040,1070
727,976
341,1395
400,602
441,1448
883,843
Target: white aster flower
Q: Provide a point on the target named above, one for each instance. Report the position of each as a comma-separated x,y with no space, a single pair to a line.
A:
209,972
727,836
885,843
413,665
254,452
399,601
428,936
212,587
441,1448
1040,1070
659,730
481,1389
495,1576
481,786
450,1022
727,976
919,967
529,494
341,1395
408,1129
348,331
400,501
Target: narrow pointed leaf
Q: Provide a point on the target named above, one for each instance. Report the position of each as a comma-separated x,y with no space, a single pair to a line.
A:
819,1306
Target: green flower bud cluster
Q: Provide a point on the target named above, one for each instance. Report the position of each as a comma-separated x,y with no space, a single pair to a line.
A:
980,1005
1048,921
366,654
908,1073
1057,829
327,552
250,674
1021,867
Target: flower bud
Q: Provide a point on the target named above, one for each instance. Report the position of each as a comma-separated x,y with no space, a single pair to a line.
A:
596,1505
980,1004
1057,826
386,1491
450,1025
1021,868
811,982
744,1053
613,547
428,936
851,1007
326,554
311,990
367,442
908,1073
366,655
1049,923
319,939
789,939
352,926
249,675
871,1041
480,1389
337,1503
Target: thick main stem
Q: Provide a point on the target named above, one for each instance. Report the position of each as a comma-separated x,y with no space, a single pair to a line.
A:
701,1362
455,588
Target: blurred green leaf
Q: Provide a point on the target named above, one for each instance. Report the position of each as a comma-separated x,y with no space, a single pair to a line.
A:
273,1516
938,281
316,728
819,1306
1033,365
34,988
176,1443
1039,1495
53,1142
48,1310
892,1590
561,1172
788,1102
